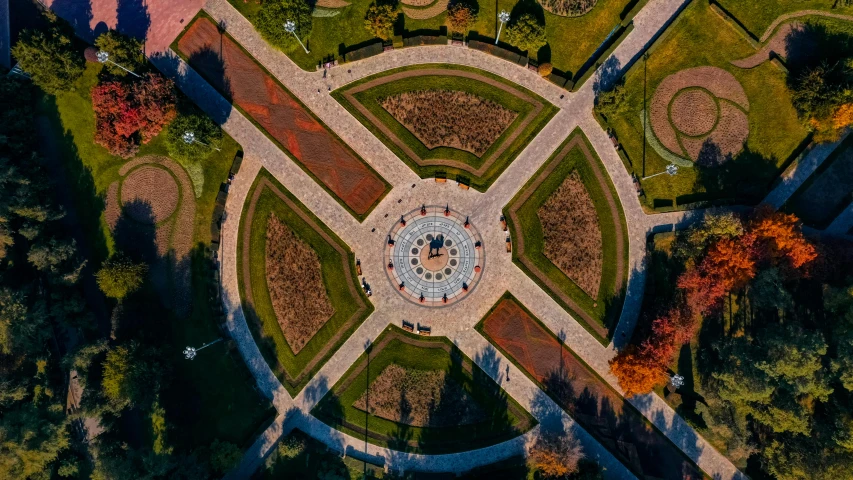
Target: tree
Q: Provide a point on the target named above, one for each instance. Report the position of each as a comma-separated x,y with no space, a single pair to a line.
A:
380,19
556,455
527,33
205,130
637,369
272,16
127,114
224,456
611,103
545,69
821,95
132,375
119,277
49,57
783,238
291,447
124,50
460,17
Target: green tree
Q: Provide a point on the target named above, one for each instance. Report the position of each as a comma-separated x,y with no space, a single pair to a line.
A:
205,130
49,57
380,19
119,276
132,376
612,103
460,17
224,456
124,50
272,16
527,33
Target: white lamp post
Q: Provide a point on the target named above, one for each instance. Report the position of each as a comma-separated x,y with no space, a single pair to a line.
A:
104,57
503,17
191,352
671,170
189,137
677,381
290,27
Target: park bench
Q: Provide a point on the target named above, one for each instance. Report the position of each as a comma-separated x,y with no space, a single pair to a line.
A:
508,245
425,331
409,327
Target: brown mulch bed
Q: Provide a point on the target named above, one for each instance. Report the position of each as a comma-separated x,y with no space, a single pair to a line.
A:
420,398
240,78
445,118
295,283
694,112
331,3
350,93
436,9
584,396
572,234
149,194
568,8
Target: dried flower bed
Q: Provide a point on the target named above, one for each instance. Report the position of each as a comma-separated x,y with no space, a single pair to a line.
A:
445,118
572,234
421,398
676,128
416,3
435,10
295,283
150,194
568,8
331,3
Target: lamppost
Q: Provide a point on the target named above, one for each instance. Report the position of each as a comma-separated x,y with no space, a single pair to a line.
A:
189,138
290,27
645,112
503,17
191,352
677,381
671,170
104,57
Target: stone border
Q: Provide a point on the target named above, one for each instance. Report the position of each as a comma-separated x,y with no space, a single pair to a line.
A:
528,190
395,334
349,94
245,257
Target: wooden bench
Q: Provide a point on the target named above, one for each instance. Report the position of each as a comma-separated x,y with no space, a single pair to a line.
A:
503,223
440,180
463,186
508,245
409,327
425,331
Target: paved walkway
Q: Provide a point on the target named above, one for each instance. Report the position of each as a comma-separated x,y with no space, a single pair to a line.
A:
499,273
5,39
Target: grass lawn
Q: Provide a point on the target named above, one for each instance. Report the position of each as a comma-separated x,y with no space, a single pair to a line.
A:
505,418
572,41
828,191
524,107
699,37
346,296
598,315
756,16
206,400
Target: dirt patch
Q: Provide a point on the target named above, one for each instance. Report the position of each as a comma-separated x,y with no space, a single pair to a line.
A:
420,398
435,10
445,118
778,45
307,141
676,129
153,189
416,3
112,205
577,389
572,234
332,3
568,8
295,283
350,93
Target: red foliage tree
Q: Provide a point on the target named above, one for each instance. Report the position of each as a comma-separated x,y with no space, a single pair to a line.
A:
782,239
637,369
127,113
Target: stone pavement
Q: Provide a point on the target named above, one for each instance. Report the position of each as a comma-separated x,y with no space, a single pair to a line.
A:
5,39
409,192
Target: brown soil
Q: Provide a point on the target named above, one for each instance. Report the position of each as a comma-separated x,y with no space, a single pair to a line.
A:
568,8
572,234
248,297
582,394
239,77
112,206
295,283
332,3
350,93
576,142
693,112
445,118
420,398
778,45
152,194
439,7
416,3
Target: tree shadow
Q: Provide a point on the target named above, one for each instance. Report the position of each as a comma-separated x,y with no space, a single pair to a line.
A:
78,14
743,178
813,44
523,7
132,18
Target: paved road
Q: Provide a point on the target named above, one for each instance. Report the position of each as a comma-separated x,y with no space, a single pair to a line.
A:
5,39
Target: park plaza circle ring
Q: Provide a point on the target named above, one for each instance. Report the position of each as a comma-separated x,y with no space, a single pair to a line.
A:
434,256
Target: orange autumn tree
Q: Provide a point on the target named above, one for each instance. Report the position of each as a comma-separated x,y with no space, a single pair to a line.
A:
556,455
639,369
782,238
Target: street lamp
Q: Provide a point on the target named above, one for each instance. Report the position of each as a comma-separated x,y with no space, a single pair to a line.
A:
290,26
503,17
104,57
191,352
671,170
189,138
677,381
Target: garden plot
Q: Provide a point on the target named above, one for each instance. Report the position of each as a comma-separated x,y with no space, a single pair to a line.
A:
730,130
297,325
425,397
570,235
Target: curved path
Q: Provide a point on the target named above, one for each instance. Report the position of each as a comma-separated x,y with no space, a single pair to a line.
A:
408,192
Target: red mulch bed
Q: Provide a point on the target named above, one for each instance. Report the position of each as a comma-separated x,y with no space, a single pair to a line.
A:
592,403
239,77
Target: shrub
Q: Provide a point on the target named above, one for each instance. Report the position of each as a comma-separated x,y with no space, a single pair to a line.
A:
545,69
556,455
526,33
273,14
127,114
49,57
224,456
291,447
119,277
380,19
125,51
460,17
611,103
206,131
